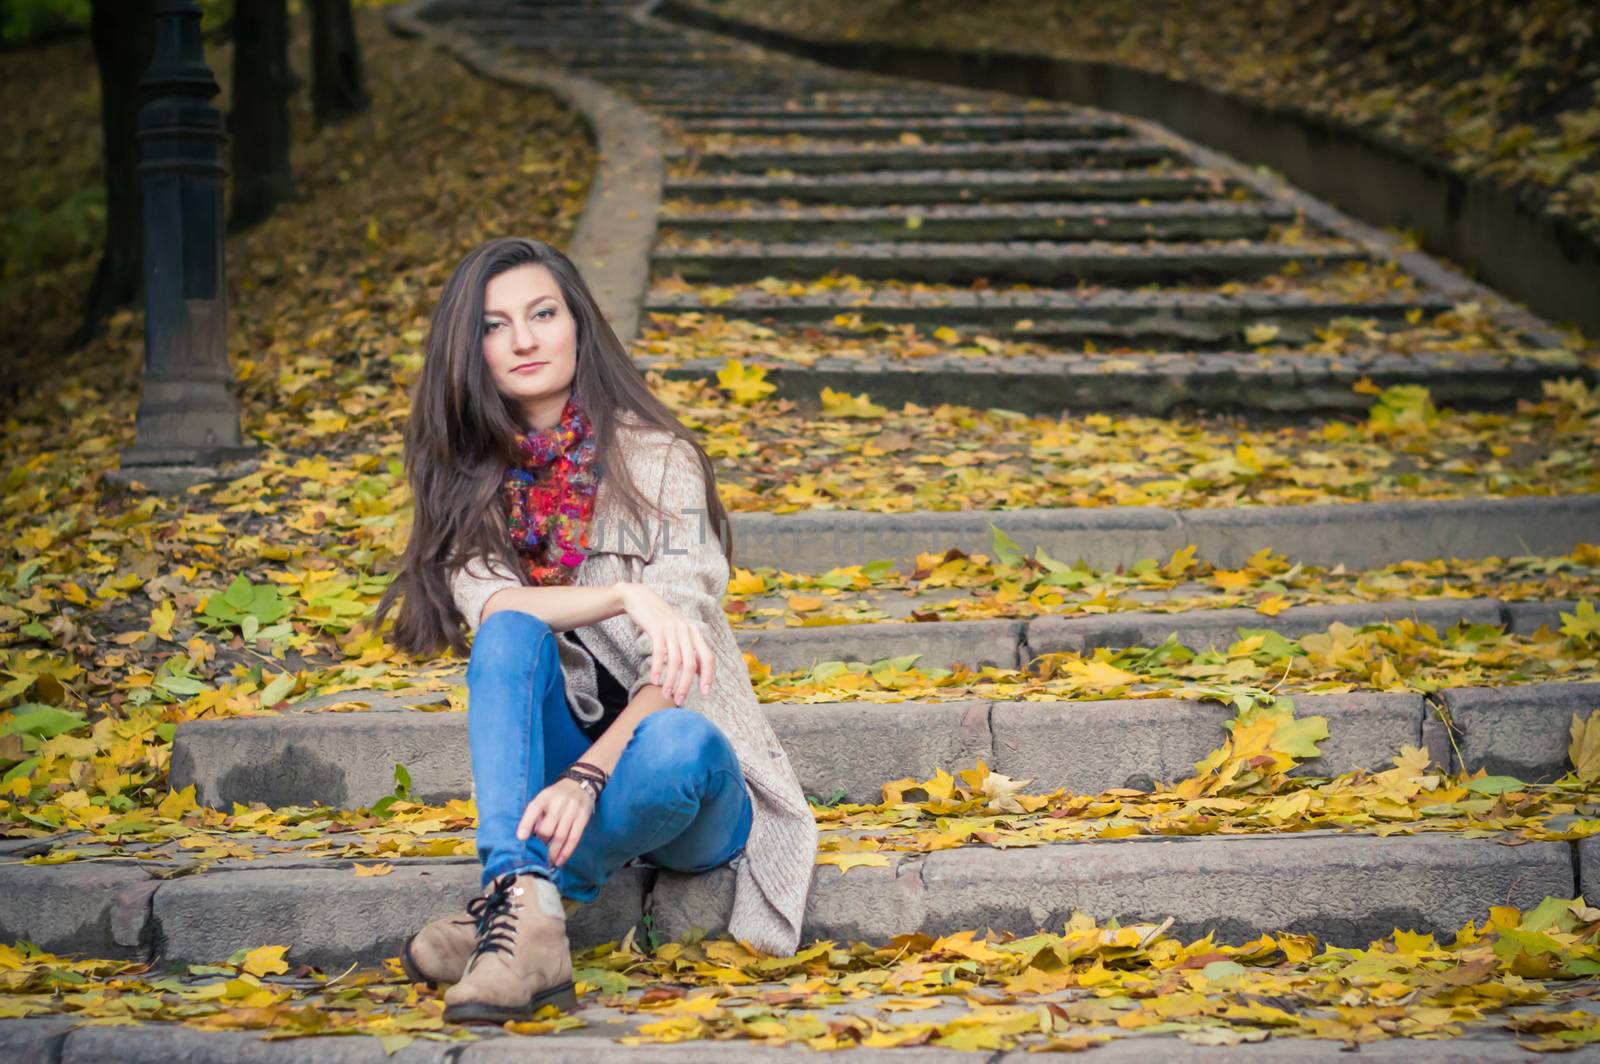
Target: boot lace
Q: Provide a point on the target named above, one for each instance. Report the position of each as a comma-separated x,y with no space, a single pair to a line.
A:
493,913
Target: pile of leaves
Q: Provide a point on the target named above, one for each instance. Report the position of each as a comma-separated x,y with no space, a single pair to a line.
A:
1505,90
1404,655
957,586
847,452
1530,972
1243,787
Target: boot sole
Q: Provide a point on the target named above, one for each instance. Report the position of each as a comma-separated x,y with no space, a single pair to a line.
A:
563,996
410,967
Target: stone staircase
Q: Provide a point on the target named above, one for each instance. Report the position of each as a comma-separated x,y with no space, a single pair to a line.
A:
1148,263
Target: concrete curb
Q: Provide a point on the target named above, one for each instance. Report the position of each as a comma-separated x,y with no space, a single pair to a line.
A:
1536,257
173,1044
1344,888
1359,535
611,246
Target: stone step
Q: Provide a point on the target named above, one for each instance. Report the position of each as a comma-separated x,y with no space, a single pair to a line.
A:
736,77
1160,383
801,102
1049,312
933,129
1356,535
1000,262
689,106
945,186
1346,889
167,1043
983,155
977,221
346,759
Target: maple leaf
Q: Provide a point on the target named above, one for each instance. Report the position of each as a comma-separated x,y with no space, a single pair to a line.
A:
845,405
1584,750
745,385
264,960
1582,623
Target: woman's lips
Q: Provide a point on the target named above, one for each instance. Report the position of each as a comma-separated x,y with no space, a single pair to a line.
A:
529,368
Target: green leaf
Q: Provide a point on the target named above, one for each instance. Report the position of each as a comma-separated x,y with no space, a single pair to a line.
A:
608,982
240,593
1299,738
1552,912
1219,970
1006,549
273,693
46,722
1495,785
20,769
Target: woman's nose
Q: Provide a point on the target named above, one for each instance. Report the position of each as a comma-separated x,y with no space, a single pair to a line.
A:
522,335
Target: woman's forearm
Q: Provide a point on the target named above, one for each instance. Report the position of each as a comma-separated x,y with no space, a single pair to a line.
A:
561,606
606,751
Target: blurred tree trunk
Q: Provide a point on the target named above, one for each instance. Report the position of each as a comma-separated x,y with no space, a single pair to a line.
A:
338,87
123,33
258,121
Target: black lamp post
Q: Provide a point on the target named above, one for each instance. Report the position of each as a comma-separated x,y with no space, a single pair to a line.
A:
188,422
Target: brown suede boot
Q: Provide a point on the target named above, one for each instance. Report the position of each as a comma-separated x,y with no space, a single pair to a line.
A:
440,951
521,962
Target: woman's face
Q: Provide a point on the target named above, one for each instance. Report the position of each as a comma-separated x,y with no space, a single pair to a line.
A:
530,342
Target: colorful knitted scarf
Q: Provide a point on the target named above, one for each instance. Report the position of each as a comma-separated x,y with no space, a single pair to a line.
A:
548,516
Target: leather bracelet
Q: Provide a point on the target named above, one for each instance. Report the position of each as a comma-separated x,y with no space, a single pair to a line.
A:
588,782
595,772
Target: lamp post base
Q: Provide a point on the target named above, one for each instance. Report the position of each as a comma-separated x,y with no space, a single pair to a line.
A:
175,474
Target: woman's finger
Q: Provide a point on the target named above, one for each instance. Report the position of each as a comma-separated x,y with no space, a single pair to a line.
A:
706,660
575,836
546,827
669,676
529,816
558,833
658,655
669,683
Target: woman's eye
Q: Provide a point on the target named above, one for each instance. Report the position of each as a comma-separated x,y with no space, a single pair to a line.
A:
546,310
490,326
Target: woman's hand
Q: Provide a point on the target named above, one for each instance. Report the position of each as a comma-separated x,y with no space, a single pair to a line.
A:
558,814
677,649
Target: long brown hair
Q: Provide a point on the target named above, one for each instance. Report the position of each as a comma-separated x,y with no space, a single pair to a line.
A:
461,436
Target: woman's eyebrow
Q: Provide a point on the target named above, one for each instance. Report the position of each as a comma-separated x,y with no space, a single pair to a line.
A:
525,306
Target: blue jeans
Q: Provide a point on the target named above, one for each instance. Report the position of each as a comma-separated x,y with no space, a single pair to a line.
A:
677,797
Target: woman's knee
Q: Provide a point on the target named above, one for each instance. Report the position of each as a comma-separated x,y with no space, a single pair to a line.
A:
508,639
680,740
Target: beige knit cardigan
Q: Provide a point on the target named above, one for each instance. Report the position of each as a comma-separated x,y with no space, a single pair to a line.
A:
679,558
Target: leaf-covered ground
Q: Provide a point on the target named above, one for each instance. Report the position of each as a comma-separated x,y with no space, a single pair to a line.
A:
1503,89
1525,972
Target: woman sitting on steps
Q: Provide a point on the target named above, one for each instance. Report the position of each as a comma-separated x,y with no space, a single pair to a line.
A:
566,516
